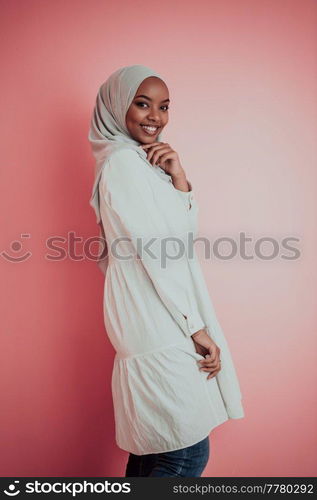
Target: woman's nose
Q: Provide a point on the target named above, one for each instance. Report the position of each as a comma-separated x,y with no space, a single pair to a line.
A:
154,116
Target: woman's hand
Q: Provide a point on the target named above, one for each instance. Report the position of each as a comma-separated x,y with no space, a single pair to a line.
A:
162,154
200,349
205,344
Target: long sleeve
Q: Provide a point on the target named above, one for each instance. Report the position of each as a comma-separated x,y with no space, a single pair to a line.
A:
191,207
127,190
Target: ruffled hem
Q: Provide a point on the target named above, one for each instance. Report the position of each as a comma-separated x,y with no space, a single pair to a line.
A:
163,402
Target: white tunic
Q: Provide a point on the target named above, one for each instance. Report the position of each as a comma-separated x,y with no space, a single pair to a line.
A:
162,401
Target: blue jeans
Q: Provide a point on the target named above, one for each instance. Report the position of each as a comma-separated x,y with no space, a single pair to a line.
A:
186,462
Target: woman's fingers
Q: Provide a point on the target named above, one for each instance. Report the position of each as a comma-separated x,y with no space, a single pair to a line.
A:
209,362
213,374
214,352
156,154
155,150
211,366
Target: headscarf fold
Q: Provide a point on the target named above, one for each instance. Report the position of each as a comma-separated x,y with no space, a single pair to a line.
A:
108,131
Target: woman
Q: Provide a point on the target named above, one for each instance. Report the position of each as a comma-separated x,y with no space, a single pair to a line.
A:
169,386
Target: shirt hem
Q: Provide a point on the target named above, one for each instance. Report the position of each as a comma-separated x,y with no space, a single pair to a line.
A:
222,421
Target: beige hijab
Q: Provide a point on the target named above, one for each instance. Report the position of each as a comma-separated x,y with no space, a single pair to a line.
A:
108,131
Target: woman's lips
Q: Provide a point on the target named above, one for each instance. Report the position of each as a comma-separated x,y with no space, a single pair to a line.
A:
149,132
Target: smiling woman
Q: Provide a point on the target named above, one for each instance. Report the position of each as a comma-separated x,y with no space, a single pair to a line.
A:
157,309
148,112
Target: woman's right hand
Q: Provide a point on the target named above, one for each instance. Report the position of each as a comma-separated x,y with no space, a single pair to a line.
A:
211,363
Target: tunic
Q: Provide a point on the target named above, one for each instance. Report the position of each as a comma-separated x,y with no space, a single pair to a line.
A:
155,298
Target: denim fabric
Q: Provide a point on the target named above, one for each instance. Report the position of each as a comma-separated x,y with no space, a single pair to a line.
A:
186,462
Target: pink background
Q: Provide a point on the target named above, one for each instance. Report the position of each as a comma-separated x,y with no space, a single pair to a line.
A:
242,81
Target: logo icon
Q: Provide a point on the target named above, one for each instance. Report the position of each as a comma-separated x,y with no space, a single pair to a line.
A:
13,492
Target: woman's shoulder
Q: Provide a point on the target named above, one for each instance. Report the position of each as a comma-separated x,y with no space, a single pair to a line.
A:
123,153
123,164
124,157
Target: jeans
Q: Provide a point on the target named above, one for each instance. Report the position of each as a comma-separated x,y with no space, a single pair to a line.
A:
186,462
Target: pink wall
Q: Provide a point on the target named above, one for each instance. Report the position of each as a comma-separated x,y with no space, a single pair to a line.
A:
242,80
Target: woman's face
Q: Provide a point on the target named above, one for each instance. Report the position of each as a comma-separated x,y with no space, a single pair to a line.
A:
149,107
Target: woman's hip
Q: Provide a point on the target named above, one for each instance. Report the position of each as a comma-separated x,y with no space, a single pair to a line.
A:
186,462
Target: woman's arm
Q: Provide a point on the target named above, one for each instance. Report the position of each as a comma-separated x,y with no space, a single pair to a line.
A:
180,182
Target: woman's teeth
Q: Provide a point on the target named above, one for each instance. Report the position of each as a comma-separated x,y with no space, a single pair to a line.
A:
149,130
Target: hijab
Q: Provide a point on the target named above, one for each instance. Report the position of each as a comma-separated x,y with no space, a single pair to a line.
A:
108,131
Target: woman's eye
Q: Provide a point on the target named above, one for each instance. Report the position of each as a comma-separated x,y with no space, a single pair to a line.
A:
141,105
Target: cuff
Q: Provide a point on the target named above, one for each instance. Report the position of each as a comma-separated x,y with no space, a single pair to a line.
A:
235,408
193,323
186,196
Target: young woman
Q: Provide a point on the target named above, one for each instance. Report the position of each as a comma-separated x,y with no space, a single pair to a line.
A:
173,378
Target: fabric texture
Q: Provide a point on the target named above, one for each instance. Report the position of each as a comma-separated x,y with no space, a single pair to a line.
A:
162,401
153,303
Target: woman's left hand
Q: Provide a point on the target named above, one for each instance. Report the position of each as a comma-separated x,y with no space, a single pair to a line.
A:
162,154
200,349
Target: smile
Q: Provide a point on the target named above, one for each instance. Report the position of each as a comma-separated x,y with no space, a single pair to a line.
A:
149,129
